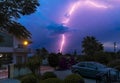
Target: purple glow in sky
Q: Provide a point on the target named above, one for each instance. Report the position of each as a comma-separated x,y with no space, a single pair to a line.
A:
72,10
76,19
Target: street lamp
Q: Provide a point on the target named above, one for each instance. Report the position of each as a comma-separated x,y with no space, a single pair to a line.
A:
1,55
25,43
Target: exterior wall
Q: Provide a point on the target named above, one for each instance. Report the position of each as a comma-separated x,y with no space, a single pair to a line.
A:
6,49
17,42
8,40
19,58
13,47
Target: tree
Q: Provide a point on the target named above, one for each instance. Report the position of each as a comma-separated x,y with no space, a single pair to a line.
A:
42,52
75,53
53,60
10,11
91,46
63,63
34,63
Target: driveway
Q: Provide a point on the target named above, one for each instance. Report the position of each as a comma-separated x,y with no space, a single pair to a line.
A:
63,74
60,74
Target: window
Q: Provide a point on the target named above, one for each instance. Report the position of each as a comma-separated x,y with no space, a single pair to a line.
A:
81,64
91,65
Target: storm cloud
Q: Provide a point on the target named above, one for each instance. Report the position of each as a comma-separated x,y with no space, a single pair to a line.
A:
57,29
104,24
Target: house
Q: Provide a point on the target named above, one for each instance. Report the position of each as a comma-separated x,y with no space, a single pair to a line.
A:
14,49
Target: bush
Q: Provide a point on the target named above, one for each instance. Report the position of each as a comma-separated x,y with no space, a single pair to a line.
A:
29,79
47,75
74,78
52,80
115,64
72,60
63,64
100,57
53,60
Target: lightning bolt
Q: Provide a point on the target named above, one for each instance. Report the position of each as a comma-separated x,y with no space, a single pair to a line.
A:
62,43
66,20
72,10
95,4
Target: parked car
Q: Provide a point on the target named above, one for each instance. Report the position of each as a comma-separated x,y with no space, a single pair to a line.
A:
92,69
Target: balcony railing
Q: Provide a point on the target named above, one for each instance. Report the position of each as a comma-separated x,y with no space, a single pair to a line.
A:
23,50
6,49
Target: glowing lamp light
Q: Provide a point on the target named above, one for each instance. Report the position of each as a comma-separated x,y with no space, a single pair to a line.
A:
1,55
25,43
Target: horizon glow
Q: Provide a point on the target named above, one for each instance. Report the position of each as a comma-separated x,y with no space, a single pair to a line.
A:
72,10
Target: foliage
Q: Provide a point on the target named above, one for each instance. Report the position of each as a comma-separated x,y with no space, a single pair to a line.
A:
47,75
75,53
63,63
115,64
53,60
74,78
91,46
19,65
29,79
11,10
72,60
101,57
52,80
42,52
34,63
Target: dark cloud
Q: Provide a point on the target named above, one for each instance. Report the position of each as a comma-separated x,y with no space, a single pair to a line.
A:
57,29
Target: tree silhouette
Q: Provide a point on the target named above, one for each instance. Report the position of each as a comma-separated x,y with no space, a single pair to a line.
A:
91,46
10,11
34,64
42,52
53,60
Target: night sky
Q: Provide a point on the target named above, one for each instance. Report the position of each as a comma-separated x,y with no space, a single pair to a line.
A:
87,20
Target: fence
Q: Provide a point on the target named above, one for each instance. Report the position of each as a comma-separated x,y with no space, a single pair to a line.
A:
3,73
108,78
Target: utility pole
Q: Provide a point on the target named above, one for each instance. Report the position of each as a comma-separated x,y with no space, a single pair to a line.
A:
115,47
